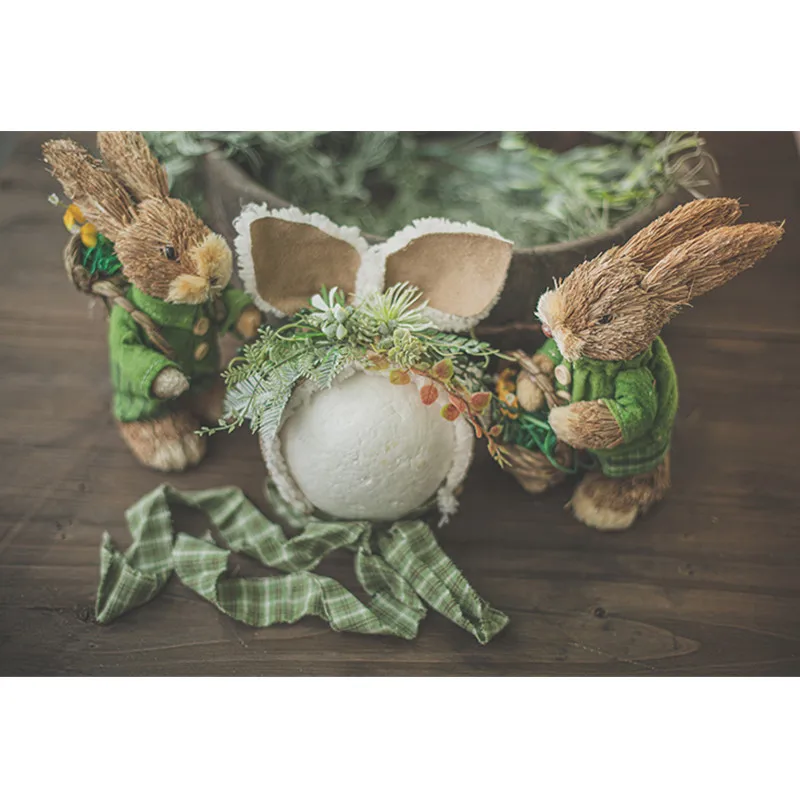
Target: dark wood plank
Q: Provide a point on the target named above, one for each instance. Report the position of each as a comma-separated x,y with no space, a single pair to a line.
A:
707,584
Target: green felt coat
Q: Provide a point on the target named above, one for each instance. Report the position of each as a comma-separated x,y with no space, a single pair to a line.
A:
641,393
192,331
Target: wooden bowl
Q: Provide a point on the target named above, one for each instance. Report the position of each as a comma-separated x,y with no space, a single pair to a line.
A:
511,323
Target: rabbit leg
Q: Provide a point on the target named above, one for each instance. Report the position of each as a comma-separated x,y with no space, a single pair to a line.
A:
533,470
207,403
612,504
167,443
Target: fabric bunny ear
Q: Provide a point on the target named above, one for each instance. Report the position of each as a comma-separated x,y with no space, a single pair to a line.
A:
127,155
285,256
459,267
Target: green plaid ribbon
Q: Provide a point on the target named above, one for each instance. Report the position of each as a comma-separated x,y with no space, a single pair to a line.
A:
400,567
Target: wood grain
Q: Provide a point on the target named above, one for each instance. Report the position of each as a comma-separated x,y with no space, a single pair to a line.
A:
708,584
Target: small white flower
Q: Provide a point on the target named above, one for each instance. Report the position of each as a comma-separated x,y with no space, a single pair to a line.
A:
319,303
53,200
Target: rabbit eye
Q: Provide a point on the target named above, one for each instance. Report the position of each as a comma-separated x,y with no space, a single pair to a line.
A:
605,319
169,252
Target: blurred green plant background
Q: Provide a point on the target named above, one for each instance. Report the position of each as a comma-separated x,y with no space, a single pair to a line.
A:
382,180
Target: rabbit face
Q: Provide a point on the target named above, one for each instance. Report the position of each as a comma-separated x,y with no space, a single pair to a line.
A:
601,311
169,253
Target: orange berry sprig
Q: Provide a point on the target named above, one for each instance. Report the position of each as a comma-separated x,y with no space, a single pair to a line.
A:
441,378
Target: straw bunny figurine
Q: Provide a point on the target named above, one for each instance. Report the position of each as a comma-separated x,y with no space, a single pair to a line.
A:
605,373
366,403
165,374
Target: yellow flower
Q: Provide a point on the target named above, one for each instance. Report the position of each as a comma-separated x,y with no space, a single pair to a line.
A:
88,235
73,218
506,384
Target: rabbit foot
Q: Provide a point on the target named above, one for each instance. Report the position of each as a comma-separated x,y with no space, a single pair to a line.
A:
612,504
168,444
532,469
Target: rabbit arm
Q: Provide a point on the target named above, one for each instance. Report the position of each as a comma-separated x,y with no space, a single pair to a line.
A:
529,390
134,364
635,403
586,425
609,422
236,302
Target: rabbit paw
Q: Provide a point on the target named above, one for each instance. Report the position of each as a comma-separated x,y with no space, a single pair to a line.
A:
586,425
169,383
249,322
529,395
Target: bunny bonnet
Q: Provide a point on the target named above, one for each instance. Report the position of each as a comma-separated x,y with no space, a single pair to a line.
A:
387,432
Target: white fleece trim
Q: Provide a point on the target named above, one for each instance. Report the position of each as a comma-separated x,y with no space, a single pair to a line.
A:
281,477
243,242
372,273
462,459
426,225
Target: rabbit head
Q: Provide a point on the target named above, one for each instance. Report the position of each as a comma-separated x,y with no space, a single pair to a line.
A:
164,249
612,307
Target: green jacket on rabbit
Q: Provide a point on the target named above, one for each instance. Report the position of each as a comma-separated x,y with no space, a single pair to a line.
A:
641,393
192,332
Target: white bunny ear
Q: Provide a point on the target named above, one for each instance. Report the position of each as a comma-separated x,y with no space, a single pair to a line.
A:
285,256
460,267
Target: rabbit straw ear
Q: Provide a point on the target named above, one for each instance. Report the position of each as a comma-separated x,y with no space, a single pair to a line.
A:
460,267
127,155
710,260
686,222
101,197
286,256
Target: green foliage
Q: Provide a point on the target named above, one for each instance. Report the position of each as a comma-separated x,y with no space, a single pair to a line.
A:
385,331
101,259
381,180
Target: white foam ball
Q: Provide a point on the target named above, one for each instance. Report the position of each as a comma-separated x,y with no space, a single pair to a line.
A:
367,449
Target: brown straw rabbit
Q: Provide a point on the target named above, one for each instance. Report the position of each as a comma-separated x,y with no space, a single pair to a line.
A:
605,359
178,270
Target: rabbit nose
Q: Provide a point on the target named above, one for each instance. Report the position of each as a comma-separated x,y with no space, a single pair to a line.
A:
546,331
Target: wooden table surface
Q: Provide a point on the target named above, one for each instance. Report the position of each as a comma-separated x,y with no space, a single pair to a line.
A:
708,583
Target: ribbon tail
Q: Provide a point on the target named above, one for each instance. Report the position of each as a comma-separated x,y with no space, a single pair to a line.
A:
122,586
411,549
393,598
